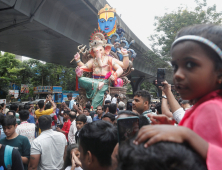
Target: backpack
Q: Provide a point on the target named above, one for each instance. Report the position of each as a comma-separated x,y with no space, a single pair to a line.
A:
8,157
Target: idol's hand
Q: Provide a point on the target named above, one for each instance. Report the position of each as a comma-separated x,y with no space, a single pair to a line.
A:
77,56
112,78
124,51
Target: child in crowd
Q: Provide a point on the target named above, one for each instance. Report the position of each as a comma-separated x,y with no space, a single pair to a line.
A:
72,160
80,122
66,125
13,139
197,62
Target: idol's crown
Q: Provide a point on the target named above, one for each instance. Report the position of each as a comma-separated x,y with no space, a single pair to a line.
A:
107,8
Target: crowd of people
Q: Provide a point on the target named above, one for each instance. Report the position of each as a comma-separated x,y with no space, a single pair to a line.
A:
172,134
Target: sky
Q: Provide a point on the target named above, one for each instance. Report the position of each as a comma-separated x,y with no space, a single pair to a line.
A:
139,14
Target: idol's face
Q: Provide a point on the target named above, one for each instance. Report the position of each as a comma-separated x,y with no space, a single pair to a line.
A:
107,21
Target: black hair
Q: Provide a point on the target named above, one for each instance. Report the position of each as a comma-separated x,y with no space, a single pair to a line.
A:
48,106
21,107
211,32
26,106
14,107
66,112
162,155
110,116
81,118
112,108
116,95
100,138
9,120
69,95
12,112
45,122
2,104
1,117
144,94
127,112
107,101
158,108
41,104
72,116
105,107
143,121
88,106
68,161
87,109
107,90
24,115
99,106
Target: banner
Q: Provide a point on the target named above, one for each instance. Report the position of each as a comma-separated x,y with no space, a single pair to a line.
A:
2,101
24,88
15,93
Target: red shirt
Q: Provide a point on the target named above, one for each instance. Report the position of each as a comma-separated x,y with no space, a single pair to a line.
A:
66,127
205,118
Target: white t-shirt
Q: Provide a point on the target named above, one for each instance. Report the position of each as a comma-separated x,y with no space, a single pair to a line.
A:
108,97
89,119
76,168
114,100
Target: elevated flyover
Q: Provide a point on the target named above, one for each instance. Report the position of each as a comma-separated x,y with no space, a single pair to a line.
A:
51,30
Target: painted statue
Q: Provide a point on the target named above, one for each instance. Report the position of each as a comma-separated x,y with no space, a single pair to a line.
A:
105,69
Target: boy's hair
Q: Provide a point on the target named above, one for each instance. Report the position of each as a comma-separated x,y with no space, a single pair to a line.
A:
105,107
26,106
100,138
109,115
144,94
41,104
24,115
2,104
143,121
68,161
99,106
211,32
14,107
87,110
81,118
116,95
158,108
162,155
88,106
12,112
72,115
21,107
127,112
112,108
66,112
69,95
48,106
107,91
45,122
107,101
9,120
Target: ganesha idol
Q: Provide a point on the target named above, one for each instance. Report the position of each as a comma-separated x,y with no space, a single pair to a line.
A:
105,69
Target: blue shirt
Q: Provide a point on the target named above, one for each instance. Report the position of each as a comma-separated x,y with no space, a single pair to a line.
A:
31,119
71,103
96,118
119,31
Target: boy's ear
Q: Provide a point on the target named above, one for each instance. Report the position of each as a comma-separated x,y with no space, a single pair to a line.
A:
89,158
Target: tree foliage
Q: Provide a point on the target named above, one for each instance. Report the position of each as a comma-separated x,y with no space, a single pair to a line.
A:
170,23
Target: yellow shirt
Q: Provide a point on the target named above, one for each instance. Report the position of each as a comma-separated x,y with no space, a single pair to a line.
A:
44,112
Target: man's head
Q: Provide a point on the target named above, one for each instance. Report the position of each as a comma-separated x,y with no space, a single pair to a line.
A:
66,115
88,105
97,141
27,107
48,106
9,125
99,110
45,122
158,108
86,111
141,101
112,108
162,155
11,112
185,104
121,105
31,105
14,107
118,26
69,96
116,95
106,108
108,102
109,117
72,115
80,121
41,104
24,115
107,91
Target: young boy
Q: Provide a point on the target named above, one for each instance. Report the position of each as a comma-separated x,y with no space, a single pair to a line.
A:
13,139
86,112
66,125
80,122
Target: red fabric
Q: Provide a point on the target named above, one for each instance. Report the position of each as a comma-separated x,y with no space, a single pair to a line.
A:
205,118
54,118
66,127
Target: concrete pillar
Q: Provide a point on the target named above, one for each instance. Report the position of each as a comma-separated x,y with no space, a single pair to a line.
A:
136,82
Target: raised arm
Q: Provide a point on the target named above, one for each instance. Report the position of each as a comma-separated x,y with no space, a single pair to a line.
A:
164,107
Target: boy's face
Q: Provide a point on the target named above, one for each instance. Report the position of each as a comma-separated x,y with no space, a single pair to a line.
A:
85,112
79,125
9,130
65,116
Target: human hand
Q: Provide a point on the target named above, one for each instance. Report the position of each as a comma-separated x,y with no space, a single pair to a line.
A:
77,161
77,56
161,119
159,133
166,88
73,162
75,107
58,129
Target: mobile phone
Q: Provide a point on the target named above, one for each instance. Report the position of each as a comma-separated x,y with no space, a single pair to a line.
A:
127,128
160,76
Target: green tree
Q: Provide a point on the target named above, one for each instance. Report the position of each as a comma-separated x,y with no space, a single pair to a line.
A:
170,23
